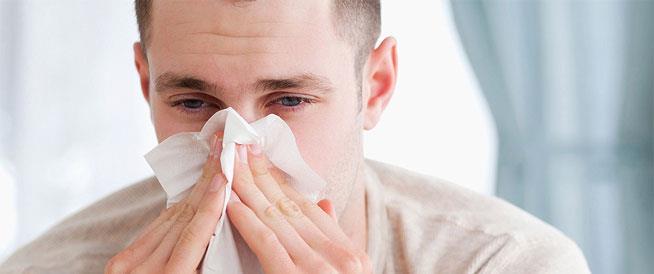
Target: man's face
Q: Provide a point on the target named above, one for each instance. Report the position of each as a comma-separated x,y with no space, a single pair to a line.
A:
260,58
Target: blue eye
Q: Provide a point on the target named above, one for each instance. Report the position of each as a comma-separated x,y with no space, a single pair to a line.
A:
290,101
192,103
194,106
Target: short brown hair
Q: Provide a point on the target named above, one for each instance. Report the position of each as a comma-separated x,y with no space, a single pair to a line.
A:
357,21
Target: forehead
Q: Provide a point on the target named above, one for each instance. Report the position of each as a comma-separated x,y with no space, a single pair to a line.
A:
229,37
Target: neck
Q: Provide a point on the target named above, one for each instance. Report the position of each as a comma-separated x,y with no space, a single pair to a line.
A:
353,219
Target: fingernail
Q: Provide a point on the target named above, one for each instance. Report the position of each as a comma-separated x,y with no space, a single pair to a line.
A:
217,182
255,149
218,149
242,154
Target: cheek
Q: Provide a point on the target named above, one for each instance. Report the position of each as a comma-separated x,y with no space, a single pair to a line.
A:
329,140
167,122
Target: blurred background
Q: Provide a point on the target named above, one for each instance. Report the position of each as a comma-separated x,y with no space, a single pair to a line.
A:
548,104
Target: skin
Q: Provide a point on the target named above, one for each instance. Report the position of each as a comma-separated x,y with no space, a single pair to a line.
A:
263,57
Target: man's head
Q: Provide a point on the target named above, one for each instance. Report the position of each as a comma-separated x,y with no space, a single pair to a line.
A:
313,63
357,21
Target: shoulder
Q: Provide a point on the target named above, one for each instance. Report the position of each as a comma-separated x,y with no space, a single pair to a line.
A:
448,228
84,241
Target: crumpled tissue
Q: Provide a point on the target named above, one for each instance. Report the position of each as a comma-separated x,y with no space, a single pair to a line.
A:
177,163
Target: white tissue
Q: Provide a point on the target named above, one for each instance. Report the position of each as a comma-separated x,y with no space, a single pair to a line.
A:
177,163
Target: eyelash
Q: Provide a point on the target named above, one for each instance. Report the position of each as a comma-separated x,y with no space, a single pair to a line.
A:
180,104
303,102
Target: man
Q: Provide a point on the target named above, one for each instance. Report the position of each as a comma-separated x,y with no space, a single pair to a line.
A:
315,64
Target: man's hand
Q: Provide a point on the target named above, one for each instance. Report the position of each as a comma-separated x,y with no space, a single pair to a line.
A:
175,242
287,232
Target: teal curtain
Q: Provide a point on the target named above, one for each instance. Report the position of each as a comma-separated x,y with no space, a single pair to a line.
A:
570,85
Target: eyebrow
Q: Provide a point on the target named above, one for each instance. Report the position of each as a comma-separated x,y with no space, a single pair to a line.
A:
171,80
305,81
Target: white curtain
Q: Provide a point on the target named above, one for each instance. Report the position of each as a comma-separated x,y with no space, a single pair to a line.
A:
570,85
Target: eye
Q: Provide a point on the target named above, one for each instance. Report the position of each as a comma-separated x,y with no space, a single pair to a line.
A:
193,106
192,103
290,101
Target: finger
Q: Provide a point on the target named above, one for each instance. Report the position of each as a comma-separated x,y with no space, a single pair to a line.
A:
335,254
264,243
139,250
164,216
347,255
184,216
209,171
323,221
193,241
268,186
270,214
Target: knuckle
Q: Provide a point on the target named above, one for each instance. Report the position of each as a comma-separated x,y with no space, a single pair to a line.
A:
242,177
175,209
279,176
363,258
208,209
323,268
144,268
190,235
186,213
117,265
169,269
289,208
172,268
267,237
208,172
272,212
168,213
306,205
349,263
259,168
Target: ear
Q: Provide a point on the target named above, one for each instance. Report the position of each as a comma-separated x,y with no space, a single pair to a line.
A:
381,77
143,70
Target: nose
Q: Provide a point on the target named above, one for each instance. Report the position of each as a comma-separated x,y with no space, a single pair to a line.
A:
248,110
